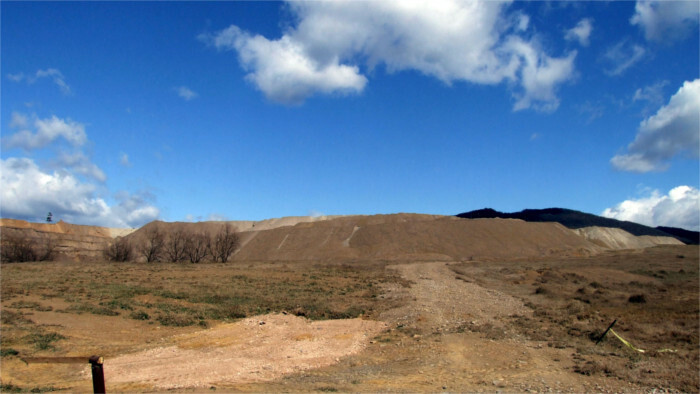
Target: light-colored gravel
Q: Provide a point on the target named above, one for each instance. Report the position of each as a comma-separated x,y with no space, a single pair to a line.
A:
256,349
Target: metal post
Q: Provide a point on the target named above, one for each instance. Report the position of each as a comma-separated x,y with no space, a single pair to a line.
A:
98,376
606,331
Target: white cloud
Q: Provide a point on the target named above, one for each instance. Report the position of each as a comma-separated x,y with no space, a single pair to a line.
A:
622,56
46,131
674,129
666,20
134,210
18,121
124,160
212,217
592,110
79,164
29,192
453,41
581,32
186,93
16,77
216,217
283,72
652,93
540,75
680,208
55,75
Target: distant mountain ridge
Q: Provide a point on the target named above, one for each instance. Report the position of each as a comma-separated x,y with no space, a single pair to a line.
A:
575,219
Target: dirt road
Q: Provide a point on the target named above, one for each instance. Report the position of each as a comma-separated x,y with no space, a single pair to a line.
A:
451,335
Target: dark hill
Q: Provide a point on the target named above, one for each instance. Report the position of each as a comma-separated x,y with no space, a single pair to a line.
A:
576,219
685,236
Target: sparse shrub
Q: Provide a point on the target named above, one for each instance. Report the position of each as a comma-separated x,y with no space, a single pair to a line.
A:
637,299
592,368
176,320
541,290
44,341
120,250
139,315
94,309
7,352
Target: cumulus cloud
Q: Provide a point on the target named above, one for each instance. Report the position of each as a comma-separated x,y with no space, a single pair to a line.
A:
45,132
186,93
671,131
622,56
666,20
29,192
679,208
453,41
283,72
581,32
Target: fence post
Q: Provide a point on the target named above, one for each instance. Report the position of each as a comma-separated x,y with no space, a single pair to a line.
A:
98,375
606,331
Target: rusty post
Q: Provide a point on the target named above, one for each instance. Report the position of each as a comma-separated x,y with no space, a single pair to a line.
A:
98,375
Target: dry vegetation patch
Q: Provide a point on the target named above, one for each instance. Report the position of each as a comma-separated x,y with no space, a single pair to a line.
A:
652,293
53,308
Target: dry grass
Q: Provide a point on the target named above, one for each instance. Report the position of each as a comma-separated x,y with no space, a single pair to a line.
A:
653,294
179,294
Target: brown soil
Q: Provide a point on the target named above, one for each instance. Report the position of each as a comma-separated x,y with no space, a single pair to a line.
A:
396,237
446,305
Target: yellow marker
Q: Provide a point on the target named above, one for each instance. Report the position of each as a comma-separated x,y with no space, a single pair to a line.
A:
625,342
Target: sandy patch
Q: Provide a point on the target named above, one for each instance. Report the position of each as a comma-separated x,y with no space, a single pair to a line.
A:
261,348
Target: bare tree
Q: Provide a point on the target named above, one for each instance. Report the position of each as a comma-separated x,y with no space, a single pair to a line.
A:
49,251
197,247
154,245
224,243
17,249
175,245
119,250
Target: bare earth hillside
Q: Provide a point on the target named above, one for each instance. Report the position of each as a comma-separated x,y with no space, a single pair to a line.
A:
390,303
379,237
399,237
72,241
615,238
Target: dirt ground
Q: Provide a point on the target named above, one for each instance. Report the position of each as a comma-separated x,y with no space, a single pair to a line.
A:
447,326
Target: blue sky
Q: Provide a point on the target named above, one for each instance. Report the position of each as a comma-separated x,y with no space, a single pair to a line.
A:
119,113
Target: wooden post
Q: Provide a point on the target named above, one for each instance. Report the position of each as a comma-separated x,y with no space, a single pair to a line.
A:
606,331
98,375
